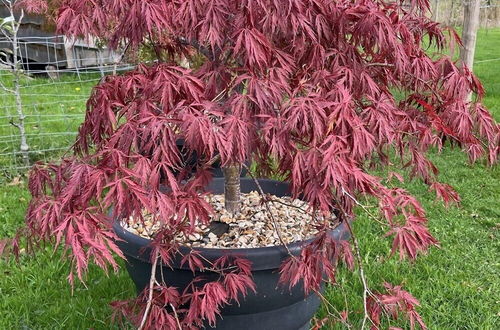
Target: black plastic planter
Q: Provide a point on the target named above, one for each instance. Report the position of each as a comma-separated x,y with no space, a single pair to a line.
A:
273,307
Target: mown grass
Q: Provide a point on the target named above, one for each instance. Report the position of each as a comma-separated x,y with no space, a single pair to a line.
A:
458,284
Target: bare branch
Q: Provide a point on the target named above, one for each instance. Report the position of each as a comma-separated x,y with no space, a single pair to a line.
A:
373,217
275,224
196,45
18,25
380,64
152,280
6,35
7,90
366,289
14,124
5,63
300,208
16,91
329,305
176,317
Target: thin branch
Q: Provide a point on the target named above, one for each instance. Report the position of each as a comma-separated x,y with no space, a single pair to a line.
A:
438,97
6,35
196,44
266,200
363,207
275,224
291,205
121,58
5,62
328,305
426,83
124,52
380,64
219,96
366,289
176,317
14,124
429,87
214,270
152,281
213,160
7,90
155,49
15,25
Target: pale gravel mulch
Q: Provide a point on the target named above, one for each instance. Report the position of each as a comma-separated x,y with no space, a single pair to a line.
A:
251,228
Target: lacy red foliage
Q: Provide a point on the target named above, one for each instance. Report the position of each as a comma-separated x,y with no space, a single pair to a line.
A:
302,88
316,260
394,302
201,300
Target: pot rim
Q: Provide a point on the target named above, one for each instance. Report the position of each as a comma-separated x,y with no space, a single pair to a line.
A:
265,257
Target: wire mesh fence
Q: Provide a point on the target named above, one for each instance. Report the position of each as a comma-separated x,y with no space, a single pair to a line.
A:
450,12
53,93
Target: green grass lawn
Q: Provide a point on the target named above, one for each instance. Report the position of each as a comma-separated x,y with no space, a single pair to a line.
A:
458,284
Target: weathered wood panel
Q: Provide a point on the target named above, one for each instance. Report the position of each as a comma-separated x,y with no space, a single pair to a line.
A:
39,45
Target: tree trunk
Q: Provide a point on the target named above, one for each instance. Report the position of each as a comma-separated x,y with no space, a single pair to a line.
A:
469,33
470,26
435,12
17,85
232,188
450,13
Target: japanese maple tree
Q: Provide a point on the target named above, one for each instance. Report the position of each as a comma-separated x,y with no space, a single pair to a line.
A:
315,91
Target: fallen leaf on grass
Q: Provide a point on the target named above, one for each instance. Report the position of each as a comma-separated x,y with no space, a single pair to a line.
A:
16,181
3,246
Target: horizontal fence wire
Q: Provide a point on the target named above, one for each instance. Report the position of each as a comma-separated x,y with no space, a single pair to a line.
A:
59,83
37,105
488,60
89,70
